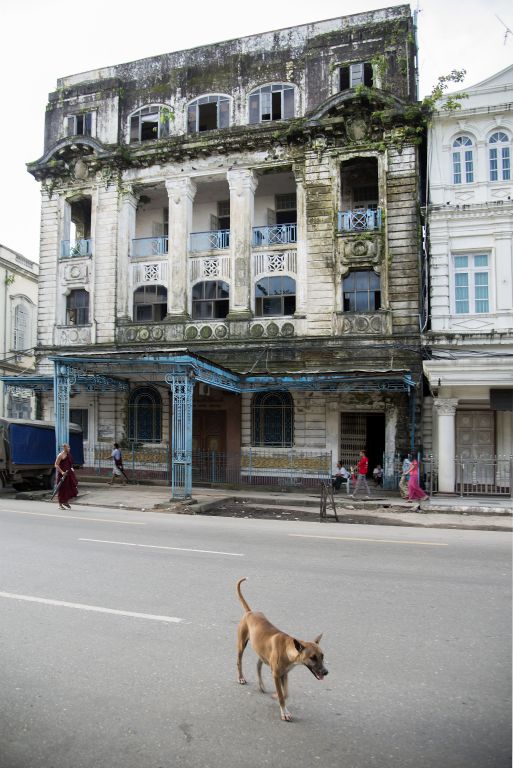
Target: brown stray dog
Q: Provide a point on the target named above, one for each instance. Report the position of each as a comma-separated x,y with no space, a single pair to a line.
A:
277,649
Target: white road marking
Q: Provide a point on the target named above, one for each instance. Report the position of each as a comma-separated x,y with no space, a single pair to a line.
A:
155,546
96,608
72,517
373,541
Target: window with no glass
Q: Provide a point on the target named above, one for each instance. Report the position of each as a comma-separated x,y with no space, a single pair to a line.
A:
271,102
352,75
80,125
150,122
208,113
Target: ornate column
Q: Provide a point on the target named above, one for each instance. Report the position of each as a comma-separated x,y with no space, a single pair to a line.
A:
243,184
126,233
446,409
63,378
181,197
302,274
182,387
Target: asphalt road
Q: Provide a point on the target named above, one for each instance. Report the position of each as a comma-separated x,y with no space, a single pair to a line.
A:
117,642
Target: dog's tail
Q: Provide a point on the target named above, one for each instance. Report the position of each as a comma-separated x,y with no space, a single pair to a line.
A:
244,603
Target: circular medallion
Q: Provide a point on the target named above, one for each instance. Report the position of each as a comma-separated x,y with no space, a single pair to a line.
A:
221,331
361,324
347,325
191,332
143,334
287,329
257,330
157,333
206,332
272,330
130,334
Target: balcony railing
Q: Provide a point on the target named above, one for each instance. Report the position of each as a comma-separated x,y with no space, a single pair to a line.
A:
359,220
215,240
75,248
149,246
279,234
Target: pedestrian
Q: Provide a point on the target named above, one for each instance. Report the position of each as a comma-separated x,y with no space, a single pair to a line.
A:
117,466
65,478
415,492
340,475
362,468
377,474
403,482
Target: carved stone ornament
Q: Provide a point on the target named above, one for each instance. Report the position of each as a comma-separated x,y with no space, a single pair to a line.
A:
80,170
76,273
445,406
356,129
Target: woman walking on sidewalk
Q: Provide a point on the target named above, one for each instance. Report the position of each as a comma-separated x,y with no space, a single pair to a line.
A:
415,492
65,477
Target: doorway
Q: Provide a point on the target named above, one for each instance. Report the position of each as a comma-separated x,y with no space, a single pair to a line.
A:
208,446
362,431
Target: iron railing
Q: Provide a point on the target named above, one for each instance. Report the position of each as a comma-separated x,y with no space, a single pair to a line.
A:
364,220
149,246
75,248
251,466
214,240
279,234
473,477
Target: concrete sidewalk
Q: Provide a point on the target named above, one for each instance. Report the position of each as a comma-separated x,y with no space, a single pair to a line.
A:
490,513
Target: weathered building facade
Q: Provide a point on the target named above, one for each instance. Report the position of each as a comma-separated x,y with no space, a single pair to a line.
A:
470,340
243,217
18,317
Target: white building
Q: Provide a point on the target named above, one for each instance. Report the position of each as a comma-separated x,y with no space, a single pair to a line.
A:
18,316
470,225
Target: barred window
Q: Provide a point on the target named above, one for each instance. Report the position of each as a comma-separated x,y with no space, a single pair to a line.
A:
77,307
145,415
272,419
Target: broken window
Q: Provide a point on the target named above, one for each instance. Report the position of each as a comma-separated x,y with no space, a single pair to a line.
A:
150,122
210,300
271,102
77,307
352,75
361,291
208,113
80,125
150,303
275,296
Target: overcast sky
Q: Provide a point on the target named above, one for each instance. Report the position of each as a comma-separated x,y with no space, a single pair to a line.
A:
46,39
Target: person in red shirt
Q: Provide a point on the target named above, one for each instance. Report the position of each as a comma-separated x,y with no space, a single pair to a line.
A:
362,469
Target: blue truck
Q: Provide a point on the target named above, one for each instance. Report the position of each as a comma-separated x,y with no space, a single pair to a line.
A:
27,452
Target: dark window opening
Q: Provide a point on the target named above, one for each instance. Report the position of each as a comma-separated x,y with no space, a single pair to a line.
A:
150,303
286,209
361,292
210,300
351,75
275,296
207,117
272,419
77,308
145,416
80,416
80,125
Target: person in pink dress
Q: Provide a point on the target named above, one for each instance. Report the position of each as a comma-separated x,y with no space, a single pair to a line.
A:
415,492
64,469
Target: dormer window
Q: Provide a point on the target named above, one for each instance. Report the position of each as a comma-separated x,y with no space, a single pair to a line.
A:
208,113
80,125
271,102
149,123
352,75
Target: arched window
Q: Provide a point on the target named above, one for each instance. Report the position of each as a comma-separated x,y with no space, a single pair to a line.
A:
361,291
150,122
208,113
462,160
500,157
150,303
275,296
21,327
272,419
210,300
271,102
145,415
77,307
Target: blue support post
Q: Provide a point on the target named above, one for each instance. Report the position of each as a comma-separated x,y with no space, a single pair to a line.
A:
182,387
63,378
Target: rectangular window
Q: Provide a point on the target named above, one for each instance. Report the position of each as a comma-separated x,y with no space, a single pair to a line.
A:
506,164
471,284
352,75
456,167
80,125
80,416
469,167
494,174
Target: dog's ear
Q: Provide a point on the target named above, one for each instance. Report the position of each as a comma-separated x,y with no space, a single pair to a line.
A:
299,647
318,639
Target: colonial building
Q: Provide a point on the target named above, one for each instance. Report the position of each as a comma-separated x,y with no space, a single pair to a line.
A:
18,316
470,367
230,247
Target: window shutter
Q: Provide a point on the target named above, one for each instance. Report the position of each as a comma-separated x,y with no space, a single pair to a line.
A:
356,74
71,126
